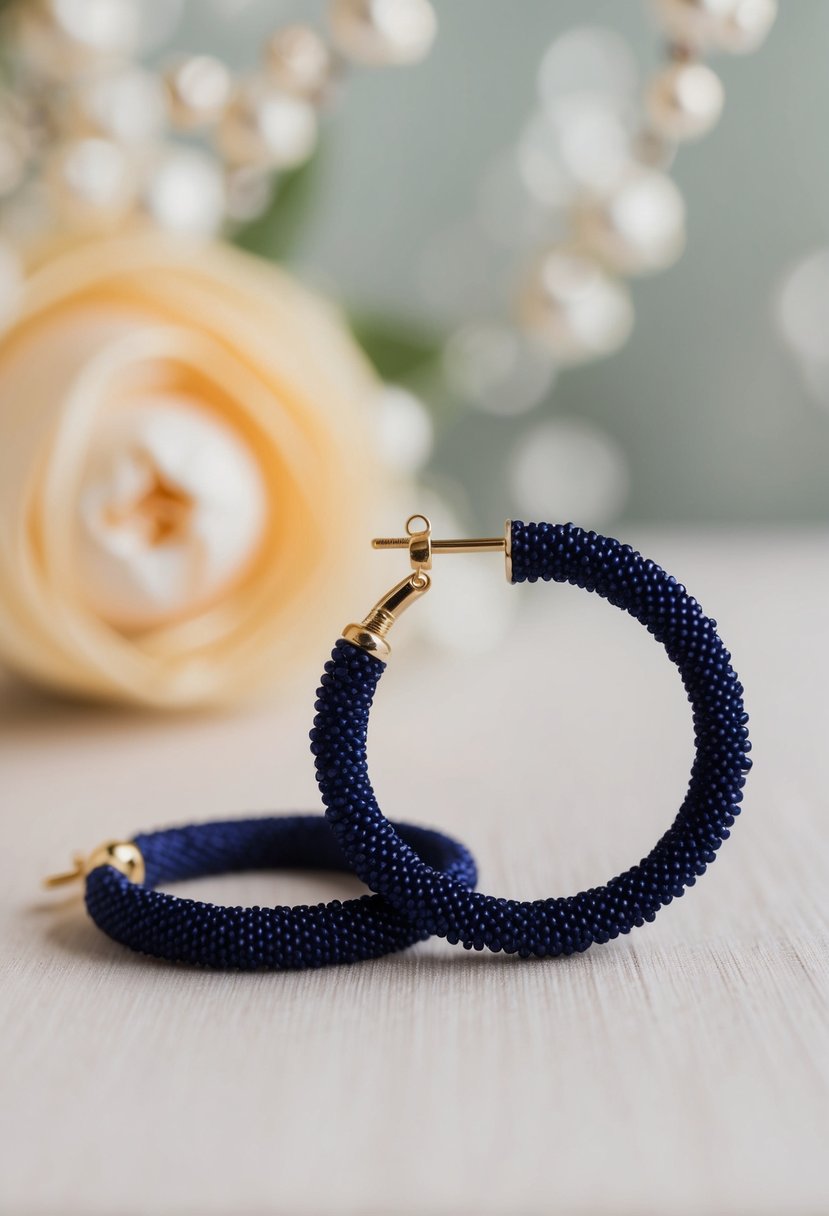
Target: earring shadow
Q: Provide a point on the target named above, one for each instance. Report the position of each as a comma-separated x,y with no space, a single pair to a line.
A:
457,961
65,926
26,708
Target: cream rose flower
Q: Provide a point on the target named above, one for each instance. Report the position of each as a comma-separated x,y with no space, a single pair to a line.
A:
185,468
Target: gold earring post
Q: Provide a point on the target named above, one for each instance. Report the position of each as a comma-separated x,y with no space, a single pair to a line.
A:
370,634
479,544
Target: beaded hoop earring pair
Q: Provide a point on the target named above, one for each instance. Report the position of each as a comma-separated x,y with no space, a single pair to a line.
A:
423,880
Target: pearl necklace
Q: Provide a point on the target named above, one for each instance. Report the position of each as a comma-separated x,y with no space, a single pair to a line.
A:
90,137
575,298
591,168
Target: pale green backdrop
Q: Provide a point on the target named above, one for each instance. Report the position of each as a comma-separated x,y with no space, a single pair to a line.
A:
706,401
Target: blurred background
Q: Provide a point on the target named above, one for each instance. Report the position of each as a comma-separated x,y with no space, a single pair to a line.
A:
705,409
584,247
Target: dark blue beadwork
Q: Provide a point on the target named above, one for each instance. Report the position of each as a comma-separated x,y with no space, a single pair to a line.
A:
437,903
275,939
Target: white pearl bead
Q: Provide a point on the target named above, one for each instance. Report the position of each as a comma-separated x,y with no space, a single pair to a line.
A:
298,61
266,127
92,181
380,32
106,26
728,25
568,468
68,39
575,307
590,61
497,368
691,22
197,89
585,144
405,432
747,26
185,192
639,228
171,512
802,315
684,101
126,106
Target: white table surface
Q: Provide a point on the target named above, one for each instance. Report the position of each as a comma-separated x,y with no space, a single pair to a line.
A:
682,1069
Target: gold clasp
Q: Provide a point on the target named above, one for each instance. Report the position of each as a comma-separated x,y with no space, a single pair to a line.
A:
370,634
124,855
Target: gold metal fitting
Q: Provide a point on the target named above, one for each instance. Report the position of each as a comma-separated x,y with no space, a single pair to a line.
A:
370,634
123,855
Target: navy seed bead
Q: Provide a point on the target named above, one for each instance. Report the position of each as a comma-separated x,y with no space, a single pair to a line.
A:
438,904
258,939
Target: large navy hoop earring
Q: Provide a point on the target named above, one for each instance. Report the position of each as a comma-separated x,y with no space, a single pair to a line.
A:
436,903
120,878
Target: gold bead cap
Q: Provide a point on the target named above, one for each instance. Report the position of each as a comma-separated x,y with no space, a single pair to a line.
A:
123,855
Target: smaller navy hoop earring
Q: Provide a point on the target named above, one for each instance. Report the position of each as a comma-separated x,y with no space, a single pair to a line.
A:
435,902
120,878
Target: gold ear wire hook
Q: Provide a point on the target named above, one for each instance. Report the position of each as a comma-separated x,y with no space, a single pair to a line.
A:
370,634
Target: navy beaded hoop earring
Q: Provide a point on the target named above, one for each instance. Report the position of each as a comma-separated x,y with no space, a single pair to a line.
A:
120,877
436,903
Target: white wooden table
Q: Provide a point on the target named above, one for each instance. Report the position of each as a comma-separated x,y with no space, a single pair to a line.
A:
680,1070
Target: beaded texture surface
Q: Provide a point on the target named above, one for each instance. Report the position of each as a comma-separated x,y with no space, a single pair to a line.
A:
438,904
256,938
